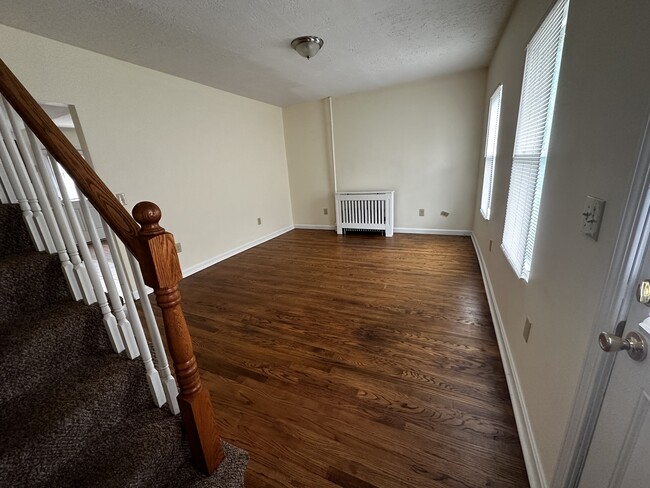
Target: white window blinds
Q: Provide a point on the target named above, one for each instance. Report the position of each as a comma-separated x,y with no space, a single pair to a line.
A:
491,139
541,73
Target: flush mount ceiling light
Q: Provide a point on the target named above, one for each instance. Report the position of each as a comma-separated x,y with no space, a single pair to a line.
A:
307,46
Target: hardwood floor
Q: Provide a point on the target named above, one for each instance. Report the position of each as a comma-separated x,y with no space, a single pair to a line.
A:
356,361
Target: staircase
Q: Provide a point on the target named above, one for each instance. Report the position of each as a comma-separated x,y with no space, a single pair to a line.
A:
72,412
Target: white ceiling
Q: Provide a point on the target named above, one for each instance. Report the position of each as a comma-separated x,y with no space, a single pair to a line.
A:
243,46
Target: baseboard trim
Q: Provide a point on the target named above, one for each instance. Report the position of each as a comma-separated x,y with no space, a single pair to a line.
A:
228,254
315,227
441,232
528,445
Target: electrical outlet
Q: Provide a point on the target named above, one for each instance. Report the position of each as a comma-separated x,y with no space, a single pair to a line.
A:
259,220
179,248
421,212
121,197
527,326
325,211
592,217
444,213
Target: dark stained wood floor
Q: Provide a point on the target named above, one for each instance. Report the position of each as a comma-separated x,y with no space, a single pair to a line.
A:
356,361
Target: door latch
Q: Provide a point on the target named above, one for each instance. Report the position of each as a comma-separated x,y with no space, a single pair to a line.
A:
634,344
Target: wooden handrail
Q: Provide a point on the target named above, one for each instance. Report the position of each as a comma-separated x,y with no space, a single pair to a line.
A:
156,253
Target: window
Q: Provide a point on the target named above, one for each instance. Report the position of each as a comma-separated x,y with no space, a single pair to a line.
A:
541,73
491,138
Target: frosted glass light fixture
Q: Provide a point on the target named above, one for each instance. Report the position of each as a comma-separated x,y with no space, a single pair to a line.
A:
307,46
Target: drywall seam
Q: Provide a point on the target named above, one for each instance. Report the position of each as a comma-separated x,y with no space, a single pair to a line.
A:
228,254
526,437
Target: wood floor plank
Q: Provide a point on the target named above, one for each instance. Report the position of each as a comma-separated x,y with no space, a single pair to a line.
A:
356,361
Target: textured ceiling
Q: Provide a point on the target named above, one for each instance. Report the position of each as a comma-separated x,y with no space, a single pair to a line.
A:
243,46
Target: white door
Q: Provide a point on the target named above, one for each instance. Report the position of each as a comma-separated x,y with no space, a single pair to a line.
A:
619,455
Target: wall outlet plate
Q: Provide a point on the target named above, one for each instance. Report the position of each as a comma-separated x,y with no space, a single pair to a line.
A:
527,327
121,197
592,217
179,248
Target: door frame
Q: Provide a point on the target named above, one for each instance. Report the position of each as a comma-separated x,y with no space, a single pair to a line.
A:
633,236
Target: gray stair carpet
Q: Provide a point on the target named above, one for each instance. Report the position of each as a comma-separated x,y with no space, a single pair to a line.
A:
72,412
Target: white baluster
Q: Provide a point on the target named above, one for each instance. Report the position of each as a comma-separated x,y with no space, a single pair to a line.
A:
169,383
35,220
7,194
59,229
153,378
46,215
80,268
17,188
109,320
123,323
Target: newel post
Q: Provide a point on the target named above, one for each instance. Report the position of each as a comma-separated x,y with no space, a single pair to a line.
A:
162,272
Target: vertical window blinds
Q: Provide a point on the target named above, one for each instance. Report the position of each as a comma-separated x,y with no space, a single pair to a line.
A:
541,73
491,139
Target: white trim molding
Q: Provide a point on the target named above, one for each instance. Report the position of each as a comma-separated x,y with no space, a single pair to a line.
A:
524,428
315,227
228,254
399,230
441,232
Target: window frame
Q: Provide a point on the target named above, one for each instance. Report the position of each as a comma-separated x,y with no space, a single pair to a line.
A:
490,152
532,140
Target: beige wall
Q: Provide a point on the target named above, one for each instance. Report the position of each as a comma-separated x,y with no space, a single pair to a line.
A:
213,161
602,105
306,134
420,139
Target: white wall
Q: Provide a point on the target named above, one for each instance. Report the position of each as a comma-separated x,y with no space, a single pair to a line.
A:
212,161
602,106
420,139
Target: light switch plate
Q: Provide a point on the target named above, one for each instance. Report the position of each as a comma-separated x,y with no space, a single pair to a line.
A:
592,217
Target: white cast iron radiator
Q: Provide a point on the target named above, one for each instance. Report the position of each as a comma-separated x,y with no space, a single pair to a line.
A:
365,210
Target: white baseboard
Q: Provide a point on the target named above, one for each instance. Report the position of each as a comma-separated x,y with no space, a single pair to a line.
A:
209,262
442,232
528,446
315,227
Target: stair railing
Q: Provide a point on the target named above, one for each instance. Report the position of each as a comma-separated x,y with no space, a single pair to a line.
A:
34,181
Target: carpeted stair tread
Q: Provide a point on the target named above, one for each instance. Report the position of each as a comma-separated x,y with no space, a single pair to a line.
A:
72,412
31,280
32,344
230,473
14,237
54,426
49,426
129,454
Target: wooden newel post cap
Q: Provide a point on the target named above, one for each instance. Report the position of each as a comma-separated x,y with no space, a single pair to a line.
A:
148,215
